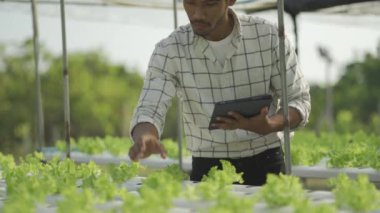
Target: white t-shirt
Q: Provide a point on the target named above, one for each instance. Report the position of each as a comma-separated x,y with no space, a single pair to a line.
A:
219,47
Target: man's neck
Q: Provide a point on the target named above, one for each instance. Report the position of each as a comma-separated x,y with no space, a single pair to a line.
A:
226,29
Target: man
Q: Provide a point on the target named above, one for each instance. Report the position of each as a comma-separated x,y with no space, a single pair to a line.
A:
220,56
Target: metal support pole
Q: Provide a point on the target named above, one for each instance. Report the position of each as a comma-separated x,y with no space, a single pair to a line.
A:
40,131
294,19
179,133
281,35
378,114
328,114
179,104
66,98
175,14
329,99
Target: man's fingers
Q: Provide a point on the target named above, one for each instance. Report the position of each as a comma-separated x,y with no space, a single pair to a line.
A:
264,111
236,116
137,151
225,120
225,125
162,151
144,149
141,149
221,126
133,153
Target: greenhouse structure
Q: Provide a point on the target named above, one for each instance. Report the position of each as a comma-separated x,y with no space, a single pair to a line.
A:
97,175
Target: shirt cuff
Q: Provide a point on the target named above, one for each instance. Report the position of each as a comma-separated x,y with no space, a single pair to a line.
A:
302,112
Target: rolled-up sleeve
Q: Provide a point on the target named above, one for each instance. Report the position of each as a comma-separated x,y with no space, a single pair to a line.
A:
157,93
297,87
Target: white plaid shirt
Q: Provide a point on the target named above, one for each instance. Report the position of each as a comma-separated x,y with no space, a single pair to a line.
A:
184,65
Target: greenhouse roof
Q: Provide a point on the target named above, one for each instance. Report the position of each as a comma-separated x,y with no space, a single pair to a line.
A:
353,7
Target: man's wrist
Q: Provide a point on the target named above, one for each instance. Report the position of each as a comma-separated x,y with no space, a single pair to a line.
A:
276,123
143,128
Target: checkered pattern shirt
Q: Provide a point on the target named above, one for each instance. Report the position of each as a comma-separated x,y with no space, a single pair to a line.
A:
184,64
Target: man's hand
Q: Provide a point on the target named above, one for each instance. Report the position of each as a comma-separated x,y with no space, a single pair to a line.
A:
261,124
258,124
146,142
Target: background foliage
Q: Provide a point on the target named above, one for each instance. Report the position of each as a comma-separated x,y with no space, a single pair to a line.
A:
102,96
356,98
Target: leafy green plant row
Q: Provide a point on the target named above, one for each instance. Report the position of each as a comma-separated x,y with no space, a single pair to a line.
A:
114,145
357,149
83,187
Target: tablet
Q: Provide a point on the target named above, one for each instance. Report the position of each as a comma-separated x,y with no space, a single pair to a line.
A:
247,107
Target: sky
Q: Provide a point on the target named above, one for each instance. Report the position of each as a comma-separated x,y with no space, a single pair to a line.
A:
128,35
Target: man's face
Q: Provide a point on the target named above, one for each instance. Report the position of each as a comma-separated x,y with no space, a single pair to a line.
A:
208,18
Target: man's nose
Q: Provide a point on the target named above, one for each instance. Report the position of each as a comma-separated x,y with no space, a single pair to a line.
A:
199,13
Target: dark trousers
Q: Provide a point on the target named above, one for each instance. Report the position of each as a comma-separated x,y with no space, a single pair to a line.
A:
255,168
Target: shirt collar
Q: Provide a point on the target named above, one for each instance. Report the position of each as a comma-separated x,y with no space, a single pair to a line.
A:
202,46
